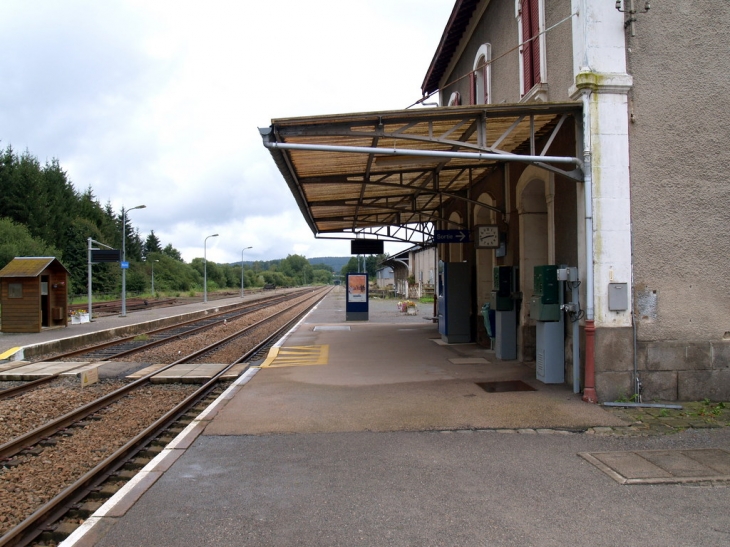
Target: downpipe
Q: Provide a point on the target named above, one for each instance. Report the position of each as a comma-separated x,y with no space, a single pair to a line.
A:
589,390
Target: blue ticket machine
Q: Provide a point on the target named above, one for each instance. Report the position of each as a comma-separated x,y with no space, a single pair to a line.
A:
454,302
356,306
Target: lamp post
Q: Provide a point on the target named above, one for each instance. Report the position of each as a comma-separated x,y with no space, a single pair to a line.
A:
245,248
124,256
205,268
153,277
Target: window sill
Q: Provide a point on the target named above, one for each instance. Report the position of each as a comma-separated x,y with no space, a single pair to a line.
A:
538,93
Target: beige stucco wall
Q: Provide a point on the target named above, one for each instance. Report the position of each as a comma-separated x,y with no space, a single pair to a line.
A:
680,153
680,192
559,50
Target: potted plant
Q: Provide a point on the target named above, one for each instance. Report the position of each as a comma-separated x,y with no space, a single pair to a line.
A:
79,316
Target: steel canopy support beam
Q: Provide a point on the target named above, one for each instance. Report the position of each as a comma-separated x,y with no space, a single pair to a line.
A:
485,156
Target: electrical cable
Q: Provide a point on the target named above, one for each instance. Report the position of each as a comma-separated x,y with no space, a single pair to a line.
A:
518,46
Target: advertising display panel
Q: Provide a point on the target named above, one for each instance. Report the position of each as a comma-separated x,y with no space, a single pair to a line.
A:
356,308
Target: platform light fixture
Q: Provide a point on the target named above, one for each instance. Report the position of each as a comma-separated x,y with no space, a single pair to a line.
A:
124,256
205,268
153,277
244,249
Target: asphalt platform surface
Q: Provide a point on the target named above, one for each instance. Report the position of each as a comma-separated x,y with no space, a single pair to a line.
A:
391,442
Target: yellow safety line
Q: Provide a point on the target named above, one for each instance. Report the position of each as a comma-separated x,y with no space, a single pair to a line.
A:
295,356
273,352
10,352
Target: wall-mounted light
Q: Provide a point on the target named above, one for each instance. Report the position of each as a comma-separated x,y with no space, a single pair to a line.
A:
621,5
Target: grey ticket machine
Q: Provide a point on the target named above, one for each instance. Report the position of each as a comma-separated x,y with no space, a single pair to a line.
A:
545,309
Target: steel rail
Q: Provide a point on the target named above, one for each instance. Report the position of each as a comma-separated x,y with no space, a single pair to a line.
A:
227,339
17,390
15,446
248,306
250,309
26,531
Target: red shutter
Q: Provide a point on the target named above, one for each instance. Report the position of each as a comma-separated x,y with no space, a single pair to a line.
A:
531,50
534,32
526,47
472,88
485,99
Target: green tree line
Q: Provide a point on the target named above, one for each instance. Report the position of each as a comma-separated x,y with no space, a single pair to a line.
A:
42,214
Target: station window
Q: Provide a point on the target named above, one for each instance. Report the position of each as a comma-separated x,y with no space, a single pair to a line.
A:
530,23
481,76
15,290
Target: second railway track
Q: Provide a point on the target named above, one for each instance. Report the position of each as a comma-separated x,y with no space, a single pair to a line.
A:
26,461
142,341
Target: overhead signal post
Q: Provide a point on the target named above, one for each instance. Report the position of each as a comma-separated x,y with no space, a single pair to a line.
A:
96,255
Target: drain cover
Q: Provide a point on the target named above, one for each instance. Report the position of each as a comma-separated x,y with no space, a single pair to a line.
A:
663,466
510,385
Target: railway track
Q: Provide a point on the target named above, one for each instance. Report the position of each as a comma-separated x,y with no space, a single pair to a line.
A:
27,455
114,307
130,345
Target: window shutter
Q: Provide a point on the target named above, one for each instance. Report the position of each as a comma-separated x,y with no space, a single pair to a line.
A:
535,31
485,99
472,88
526,47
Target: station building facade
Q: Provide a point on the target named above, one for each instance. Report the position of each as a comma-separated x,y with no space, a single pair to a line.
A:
588,134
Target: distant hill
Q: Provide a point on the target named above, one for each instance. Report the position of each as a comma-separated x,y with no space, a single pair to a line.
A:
336,262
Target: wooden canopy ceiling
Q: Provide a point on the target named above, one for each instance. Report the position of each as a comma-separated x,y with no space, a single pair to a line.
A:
387,174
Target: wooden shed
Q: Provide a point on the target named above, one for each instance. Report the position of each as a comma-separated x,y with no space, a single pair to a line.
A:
33,294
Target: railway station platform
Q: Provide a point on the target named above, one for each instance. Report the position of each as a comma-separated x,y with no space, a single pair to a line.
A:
377,433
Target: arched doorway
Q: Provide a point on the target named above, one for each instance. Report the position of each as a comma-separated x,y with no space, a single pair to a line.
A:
455,249
484,257
535,191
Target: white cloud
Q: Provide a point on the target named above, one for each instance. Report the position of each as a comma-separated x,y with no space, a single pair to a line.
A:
158,102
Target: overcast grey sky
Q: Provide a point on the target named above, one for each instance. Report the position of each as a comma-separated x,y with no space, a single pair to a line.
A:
158,102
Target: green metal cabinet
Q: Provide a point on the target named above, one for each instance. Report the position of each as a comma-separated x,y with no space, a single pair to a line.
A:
501,297
545,302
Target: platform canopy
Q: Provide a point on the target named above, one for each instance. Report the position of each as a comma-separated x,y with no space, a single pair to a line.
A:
386,175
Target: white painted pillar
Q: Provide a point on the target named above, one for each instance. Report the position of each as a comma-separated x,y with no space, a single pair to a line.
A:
599,65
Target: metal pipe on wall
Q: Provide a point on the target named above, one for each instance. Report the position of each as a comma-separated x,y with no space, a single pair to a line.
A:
589,390
575,297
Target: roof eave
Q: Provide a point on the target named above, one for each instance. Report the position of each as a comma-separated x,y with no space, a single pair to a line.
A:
447,45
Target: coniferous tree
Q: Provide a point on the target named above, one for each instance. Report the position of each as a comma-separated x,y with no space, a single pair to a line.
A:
61,203
152,244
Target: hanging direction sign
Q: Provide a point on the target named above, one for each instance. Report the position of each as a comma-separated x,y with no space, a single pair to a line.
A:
452,236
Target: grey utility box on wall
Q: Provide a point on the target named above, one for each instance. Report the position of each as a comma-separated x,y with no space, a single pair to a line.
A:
618,296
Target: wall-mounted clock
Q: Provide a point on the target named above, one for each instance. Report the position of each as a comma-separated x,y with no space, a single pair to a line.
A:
487,236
